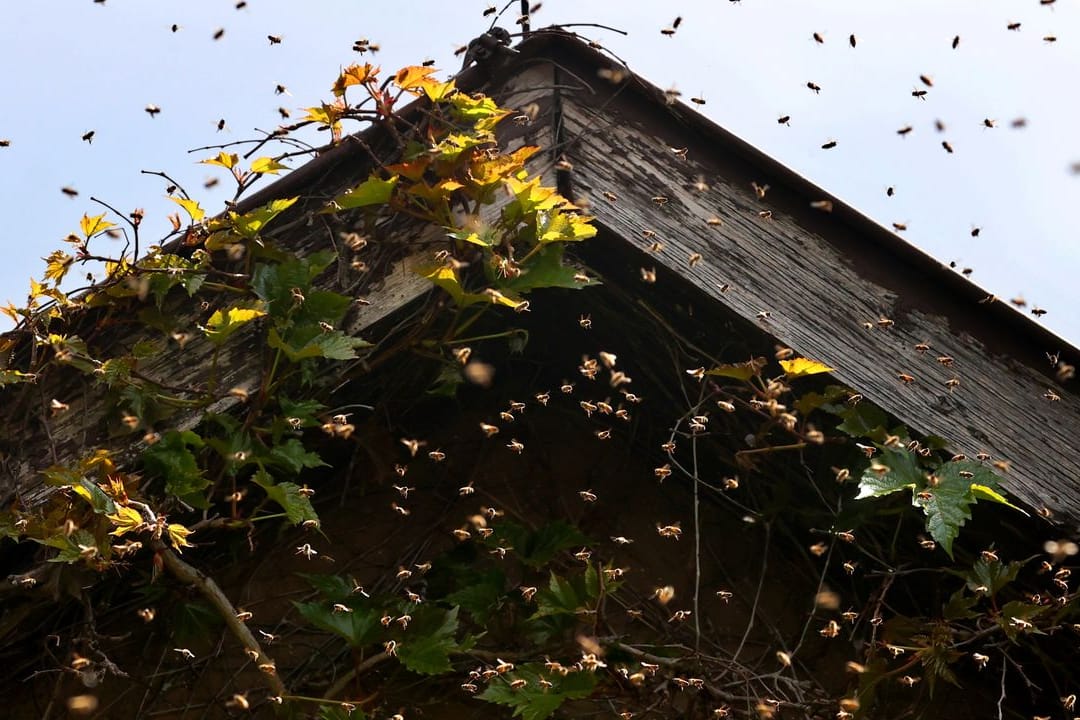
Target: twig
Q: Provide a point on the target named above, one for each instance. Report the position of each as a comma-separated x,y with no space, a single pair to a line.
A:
210,590
343,682
757,595
1001,698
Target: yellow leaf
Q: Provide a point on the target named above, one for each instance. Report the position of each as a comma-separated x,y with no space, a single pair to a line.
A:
178,535
37,289
985,492
267,165
224,323
126,520
192,208
798,367
437,91
223,159
532,195
737,371
412,76
92,225
12,312
354,75
58,263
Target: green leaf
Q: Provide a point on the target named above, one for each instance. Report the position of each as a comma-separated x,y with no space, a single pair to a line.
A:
861,420
171,458
273,283
481,597
992,575
193,621
93,494
533,701
312,341
250,224
332,587
296,505
294,457
373,191
903,474
426,646
70,546
1015,614
359,627
546,269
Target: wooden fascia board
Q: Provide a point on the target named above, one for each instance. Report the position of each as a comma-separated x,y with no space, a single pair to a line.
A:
797,266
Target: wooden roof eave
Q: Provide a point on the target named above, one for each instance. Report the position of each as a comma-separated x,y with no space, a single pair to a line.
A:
820,277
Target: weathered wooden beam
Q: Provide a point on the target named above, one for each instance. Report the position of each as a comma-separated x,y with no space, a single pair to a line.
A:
818,283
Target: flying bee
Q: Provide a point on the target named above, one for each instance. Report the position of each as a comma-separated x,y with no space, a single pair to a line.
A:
662,472
815,87
673,531
274,39
948,147
759,190
822,205
831,629
829,145
784,120
489,430
956,42
219,33
852,40
695,258
905,378
587,495
921,94
904,130
890,191
1013,26
818,38
927,80
1049,38
714,221
697,100
437,455
69,191
1038,311
648,276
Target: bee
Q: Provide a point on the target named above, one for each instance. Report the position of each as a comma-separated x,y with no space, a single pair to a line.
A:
815,87
1018,123
829,145
656,246
70,192
852,40
714,221
489,430
831,630
694,259
274,39
603,434
662,472
927,80
819,39
697,100
437,455
147,614
1051,396
219,33
842,474
784,120
846,535
890,191
921,94
587,495
283,112
948,148
988,299
759,190
725,595
243,616
280,89
904,130
945,360
1013,26
648,276
403,511
1049,38
184,653
673,531
822,205
307,551
730,483
567,388
905,378
1038,311
956,42
620,540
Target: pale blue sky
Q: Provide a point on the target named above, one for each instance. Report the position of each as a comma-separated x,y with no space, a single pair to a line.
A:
73,66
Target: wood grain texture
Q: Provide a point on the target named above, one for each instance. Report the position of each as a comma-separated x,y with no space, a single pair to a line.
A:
819,279
35,438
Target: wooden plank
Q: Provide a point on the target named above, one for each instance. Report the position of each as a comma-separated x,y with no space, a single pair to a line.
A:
36,438
799,267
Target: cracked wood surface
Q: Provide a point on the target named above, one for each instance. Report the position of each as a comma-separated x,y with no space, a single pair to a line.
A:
35,438
820,278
